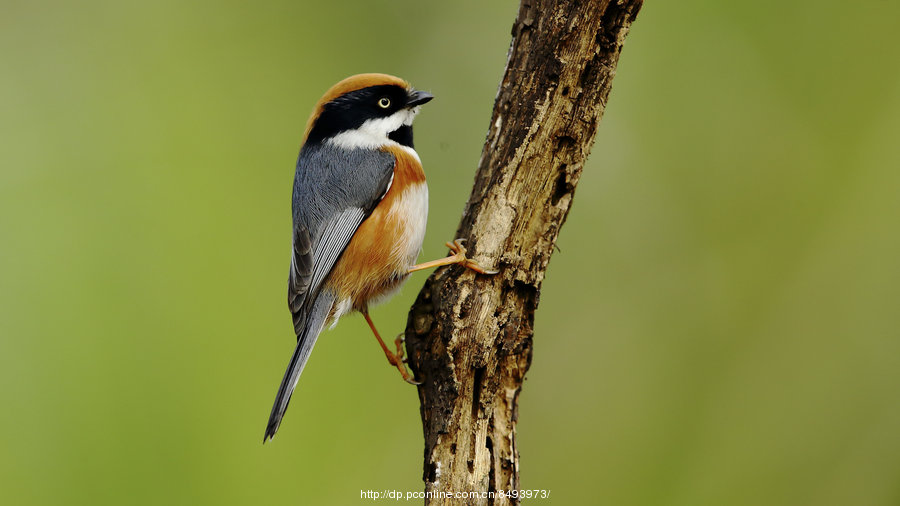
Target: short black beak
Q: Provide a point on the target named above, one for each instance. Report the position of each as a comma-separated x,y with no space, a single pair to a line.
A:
418,98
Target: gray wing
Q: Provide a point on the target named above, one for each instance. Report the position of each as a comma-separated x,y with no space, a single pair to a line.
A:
334,191
310,265
301,268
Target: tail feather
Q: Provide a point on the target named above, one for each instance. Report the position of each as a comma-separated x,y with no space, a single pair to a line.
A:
305,341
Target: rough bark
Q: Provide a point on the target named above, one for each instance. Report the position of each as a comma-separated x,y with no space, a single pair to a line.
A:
469,337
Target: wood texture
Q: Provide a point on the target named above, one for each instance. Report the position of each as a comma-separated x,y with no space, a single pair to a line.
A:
469,337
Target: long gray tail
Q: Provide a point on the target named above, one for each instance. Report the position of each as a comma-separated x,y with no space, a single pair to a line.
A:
305,342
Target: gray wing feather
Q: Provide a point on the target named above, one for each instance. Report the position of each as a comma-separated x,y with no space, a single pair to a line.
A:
300,276
334,191
335,238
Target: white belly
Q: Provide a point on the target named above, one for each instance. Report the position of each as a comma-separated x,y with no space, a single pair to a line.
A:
410,211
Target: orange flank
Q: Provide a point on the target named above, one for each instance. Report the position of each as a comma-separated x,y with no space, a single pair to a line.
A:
386,244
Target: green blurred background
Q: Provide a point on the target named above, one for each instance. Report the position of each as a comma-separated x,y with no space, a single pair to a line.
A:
719,328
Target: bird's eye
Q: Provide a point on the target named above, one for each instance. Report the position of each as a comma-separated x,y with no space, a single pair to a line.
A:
384,102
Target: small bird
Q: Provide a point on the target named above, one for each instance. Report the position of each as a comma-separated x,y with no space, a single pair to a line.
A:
359,209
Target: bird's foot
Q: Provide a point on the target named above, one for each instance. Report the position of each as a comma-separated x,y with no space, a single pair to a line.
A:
459,255
399,361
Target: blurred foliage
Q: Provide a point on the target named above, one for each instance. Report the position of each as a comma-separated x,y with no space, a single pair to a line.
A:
720,326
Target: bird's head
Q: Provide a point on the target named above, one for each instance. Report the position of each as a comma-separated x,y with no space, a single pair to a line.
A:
366,111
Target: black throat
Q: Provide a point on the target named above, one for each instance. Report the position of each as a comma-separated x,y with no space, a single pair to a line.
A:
402,136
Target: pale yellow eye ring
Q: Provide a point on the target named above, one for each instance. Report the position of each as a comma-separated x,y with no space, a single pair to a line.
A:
384,102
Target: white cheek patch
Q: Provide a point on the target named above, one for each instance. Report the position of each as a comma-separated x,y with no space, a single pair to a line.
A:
411,115
374,132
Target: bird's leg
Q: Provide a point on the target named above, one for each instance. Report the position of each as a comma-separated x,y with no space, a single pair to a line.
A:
458,257
396,359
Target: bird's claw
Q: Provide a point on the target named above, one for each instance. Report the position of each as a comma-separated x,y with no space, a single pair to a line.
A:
398,360
398,344
459,251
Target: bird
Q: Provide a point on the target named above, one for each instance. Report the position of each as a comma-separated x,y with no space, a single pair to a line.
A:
359,210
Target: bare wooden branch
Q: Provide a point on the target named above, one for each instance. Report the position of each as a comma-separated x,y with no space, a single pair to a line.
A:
469,336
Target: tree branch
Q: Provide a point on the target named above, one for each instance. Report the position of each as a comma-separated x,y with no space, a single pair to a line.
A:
469,337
